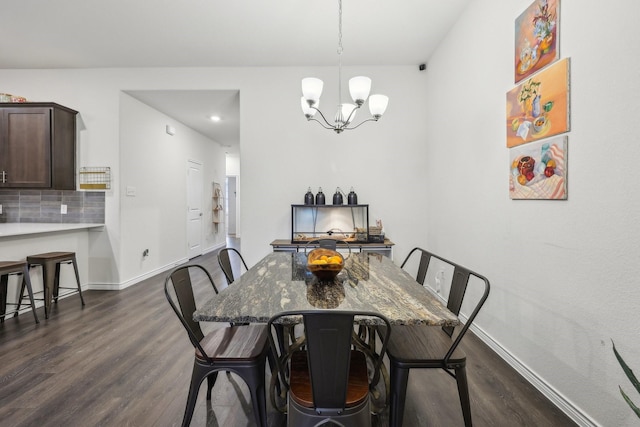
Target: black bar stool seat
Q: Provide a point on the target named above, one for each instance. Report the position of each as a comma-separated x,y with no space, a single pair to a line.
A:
8,268
50,262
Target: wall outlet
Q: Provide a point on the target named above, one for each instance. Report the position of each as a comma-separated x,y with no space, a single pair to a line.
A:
63,209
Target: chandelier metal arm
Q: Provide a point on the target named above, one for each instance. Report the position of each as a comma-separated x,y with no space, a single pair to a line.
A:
372,119
348,119
329,126
336,128
321,124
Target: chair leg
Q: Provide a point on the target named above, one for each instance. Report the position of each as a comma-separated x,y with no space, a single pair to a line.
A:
211,381
399,380
26,282
197,376
48,283
463,392
4,279
75,270
254,377
56,283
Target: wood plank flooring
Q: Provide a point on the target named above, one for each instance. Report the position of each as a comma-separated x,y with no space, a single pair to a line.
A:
125,360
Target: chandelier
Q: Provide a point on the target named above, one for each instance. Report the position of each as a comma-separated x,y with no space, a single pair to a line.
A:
359,88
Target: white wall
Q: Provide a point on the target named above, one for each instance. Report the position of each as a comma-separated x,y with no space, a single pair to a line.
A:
564,273
282,155
154,163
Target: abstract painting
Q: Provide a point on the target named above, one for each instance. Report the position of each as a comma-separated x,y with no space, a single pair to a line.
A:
539,170
536,38
539,107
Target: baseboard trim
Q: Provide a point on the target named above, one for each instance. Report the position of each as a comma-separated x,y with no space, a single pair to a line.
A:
134,280
149,274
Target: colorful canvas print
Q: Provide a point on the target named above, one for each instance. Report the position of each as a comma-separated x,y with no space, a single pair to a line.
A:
539,170
539,107
536,43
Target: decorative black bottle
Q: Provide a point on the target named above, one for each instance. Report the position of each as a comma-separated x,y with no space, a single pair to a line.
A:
308,198
337,197
352,197
320,197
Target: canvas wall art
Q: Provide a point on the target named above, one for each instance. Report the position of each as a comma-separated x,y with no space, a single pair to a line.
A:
539,170
539,107
536,38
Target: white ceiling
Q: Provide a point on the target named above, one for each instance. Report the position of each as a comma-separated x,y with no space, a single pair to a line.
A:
212,33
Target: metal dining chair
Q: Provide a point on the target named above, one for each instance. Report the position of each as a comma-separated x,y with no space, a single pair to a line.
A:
239,349
325,376
224,260
422,266
424,347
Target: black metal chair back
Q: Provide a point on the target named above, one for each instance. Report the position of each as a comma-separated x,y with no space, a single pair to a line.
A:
328,347
224,260
180,280
423,266
331,244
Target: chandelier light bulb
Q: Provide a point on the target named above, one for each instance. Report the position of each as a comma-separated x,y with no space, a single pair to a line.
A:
312,89
378,105
306,109
359,88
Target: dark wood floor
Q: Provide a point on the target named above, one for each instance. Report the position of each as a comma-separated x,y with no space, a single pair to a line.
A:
124,360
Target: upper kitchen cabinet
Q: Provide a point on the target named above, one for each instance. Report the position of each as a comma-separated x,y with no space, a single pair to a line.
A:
37,146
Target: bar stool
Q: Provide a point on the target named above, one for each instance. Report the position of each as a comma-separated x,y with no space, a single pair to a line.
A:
50,262
9,268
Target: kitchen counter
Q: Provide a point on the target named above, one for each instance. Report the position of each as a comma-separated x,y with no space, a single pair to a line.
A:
22,228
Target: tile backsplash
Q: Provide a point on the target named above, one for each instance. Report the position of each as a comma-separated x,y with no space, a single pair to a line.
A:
45,206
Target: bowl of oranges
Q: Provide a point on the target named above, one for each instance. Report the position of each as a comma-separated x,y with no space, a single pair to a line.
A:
324,263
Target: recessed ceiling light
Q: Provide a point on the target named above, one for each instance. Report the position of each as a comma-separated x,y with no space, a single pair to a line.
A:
215,118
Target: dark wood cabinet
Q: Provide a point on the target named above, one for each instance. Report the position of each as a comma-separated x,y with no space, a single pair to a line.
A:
37,146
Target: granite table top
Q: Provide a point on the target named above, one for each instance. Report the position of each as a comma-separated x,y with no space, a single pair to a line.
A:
368,282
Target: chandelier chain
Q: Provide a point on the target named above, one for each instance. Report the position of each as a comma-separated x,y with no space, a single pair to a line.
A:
340,49
339,27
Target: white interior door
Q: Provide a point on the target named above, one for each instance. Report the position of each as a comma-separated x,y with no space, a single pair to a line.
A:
194,208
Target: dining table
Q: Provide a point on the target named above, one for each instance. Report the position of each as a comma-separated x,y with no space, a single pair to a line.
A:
368,281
